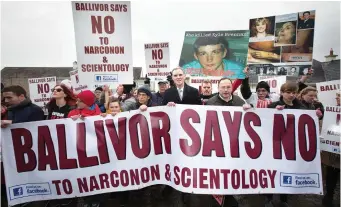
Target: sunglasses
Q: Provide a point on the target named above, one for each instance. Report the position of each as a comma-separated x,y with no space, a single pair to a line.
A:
57,89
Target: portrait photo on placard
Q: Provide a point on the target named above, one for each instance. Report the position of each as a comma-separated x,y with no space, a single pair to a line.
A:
306,20
262,29
220,53
303,50
261,70
286,29
293,70
263,53
252,70
281,70
271,71
285,33
304,69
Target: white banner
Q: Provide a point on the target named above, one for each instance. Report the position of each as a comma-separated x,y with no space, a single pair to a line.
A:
157,60
275,82
331,131
40,89
209,150
75,82
327,92
103,42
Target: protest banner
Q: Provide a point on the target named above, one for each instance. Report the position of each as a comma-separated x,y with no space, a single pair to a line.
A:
207,150
157,60
40,90
331,131
197,81
275,82
217,53
103,42
327,92
75,82
275,52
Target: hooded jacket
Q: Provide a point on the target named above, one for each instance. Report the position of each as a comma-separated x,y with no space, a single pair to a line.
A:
25,111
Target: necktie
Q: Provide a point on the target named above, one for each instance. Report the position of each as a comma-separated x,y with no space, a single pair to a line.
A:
180,94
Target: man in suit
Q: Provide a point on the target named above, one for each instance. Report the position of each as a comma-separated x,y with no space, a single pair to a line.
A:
307,22
181,93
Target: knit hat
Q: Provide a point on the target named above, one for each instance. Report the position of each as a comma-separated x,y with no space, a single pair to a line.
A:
99,89
144,90
87,97
263,84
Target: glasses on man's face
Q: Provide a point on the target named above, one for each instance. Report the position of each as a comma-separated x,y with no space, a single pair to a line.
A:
57,89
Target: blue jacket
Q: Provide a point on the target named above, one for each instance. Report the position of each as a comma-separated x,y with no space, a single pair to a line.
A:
101,106
26,111
157,98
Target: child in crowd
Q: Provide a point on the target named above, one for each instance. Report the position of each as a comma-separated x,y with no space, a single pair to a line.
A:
86,106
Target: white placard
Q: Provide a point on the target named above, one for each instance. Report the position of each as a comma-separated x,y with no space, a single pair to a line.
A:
157,60
331,130
40,90
75,82
327,92
103,42
275,82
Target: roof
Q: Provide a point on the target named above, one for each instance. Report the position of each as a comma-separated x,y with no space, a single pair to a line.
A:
331,70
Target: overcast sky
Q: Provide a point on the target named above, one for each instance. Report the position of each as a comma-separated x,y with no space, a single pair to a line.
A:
41,34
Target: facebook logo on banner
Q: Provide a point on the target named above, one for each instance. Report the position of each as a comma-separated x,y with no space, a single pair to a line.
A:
17,191
287,179
98,78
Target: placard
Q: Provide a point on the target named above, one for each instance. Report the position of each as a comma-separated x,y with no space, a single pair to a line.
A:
40,90
157,60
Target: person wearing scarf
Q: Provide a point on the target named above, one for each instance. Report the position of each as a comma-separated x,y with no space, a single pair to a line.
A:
86,106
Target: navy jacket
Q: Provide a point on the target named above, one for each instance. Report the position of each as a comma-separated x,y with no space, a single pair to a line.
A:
26,111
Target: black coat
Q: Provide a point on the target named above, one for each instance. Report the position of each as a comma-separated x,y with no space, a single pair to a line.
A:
190,96
25,111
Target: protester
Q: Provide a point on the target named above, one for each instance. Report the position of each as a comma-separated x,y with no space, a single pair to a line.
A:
128,101
206,91
119,91
287,100
98,93
61,103
181,93
225,96
158,96
262,98
113,108
86,106
144,99
307,97
20,108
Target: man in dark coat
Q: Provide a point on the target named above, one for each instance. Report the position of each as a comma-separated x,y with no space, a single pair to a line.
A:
20,108
181,93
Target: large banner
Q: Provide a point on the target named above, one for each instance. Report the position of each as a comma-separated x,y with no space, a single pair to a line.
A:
219,53
103,42
282,44
206,150
275,82
327,92
331,130
40,89
157,60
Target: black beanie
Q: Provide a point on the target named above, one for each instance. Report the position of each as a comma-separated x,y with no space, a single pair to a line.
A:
264,85
145,90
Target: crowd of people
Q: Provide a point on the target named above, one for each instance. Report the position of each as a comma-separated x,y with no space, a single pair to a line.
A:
16,107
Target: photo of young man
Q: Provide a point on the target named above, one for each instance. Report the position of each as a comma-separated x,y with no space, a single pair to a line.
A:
210,54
